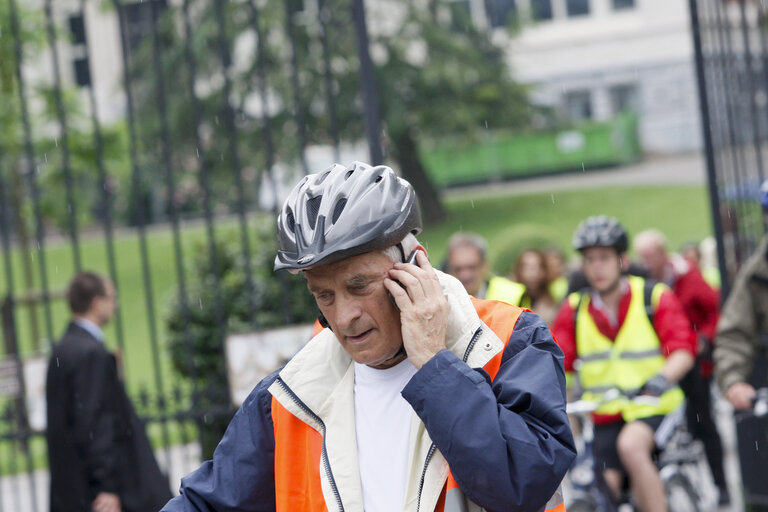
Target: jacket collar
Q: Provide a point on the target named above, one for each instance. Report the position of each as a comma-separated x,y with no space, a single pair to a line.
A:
317,386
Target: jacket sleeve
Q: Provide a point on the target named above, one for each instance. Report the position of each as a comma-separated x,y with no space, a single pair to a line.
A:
672,326
507,442
241,474
95,418
736,335
564,332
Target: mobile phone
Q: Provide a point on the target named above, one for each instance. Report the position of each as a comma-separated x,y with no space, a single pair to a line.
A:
411,259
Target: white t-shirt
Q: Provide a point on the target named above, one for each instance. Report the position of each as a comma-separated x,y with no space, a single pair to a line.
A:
383,425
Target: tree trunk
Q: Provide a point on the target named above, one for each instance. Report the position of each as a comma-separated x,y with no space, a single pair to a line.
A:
407,156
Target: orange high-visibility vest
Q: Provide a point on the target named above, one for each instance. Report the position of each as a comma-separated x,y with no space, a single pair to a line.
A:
298,446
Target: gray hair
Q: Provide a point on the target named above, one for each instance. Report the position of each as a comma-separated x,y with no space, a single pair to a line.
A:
409,243
651,238
467,239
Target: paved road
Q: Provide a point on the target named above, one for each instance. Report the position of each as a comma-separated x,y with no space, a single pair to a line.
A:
678,170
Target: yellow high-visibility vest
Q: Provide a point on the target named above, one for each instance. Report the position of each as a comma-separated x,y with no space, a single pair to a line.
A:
501,288
626,363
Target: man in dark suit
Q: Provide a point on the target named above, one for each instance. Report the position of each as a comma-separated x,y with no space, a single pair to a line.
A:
100,457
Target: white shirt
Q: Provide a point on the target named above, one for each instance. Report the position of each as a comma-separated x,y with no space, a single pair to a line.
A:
383,425
91,327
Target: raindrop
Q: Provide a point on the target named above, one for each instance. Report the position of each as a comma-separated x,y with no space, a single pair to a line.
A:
472,202
582,167
200,301
486,124
197,151
216,120
757,447
45,157
553,198
56,141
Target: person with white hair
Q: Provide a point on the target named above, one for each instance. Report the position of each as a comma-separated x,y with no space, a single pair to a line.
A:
701,304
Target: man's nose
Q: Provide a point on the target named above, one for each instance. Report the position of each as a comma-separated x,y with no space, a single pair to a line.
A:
347,312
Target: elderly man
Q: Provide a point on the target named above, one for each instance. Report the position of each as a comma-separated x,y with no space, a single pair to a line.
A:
701,304
414,397
467,262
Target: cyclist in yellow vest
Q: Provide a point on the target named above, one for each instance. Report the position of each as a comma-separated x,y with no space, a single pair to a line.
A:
466,261
629,334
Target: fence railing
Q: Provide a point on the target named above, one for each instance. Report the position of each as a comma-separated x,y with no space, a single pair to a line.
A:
198,134
731,48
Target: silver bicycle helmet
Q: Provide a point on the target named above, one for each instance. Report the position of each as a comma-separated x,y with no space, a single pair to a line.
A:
600,231
344,211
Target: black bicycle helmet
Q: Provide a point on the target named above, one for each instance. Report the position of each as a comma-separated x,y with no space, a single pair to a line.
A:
341,212
600,231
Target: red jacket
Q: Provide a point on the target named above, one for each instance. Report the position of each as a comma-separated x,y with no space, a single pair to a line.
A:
700,302
702,306
669,322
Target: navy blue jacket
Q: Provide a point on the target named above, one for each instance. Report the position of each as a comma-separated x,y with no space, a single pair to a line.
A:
507,441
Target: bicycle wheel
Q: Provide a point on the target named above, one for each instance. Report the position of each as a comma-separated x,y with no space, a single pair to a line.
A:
681,496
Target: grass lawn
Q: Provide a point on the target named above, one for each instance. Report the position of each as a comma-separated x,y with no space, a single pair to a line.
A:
682,212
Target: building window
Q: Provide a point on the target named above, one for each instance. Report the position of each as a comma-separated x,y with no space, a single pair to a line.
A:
77,29
624,98
577,7
620,5
578,105
541,9
501,12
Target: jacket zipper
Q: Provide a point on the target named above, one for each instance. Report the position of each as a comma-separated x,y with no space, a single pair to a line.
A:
472,342
432,447
326,463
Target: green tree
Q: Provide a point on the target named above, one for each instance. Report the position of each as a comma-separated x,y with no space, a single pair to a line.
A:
436,75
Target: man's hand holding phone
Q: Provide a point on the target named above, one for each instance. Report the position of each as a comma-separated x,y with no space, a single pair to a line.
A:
423,308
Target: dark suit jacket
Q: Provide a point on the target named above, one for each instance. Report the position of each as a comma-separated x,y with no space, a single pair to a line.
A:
96,443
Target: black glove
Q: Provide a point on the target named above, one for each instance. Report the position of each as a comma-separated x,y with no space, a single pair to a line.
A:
656,386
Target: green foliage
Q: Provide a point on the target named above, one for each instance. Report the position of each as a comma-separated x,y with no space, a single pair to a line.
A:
196,337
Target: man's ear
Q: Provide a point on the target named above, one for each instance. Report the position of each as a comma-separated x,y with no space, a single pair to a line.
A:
624,262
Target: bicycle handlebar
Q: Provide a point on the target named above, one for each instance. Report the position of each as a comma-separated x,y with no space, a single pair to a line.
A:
588,406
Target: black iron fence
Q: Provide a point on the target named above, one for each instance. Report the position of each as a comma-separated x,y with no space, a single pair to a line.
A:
214,99
731,48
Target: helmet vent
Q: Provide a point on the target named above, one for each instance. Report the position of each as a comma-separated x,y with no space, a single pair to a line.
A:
313,206
291,221
338,209
378,179
349,173
322,178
